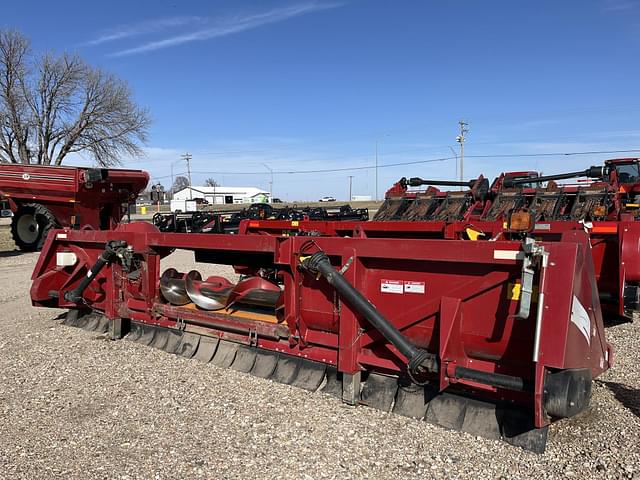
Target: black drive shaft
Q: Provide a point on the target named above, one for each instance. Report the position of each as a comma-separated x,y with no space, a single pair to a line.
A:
591,172
418,182
105,257
419,360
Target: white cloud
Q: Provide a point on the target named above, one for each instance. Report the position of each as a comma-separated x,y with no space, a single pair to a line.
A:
229,26
143,28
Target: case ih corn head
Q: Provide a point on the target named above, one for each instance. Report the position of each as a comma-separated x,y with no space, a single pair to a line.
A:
42,198
606,205
483,316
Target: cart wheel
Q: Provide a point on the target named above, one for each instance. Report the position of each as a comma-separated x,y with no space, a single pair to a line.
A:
30,226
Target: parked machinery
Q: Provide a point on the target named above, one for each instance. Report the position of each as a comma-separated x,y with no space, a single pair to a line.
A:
498,338
605,204
42,198
209,221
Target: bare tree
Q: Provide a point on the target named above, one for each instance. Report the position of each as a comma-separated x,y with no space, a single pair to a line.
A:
51,106
210,182
180,183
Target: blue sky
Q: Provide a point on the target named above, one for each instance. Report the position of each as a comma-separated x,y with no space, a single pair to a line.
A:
311,85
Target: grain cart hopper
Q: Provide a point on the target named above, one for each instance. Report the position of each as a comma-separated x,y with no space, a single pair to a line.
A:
44,197
494,338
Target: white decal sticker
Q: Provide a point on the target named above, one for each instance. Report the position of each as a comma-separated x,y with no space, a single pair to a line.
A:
391,286
61,236
508,254
66,259
580,318
542,226
414,287
26,176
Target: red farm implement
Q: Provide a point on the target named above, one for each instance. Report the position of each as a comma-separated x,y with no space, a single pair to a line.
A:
43,197
606,206
498,338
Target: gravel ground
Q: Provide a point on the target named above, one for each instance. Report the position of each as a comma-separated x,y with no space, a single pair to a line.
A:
75,405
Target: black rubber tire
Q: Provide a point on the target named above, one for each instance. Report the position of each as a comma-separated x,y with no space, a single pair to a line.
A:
45,220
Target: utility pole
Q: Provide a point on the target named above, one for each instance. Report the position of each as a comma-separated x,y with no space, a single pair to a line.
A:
460,139
270,183
187,157
376,199
350,180
171,189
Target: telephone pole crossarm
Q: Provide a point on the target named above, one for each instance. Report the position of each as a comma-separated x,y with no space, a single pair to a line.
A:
460,139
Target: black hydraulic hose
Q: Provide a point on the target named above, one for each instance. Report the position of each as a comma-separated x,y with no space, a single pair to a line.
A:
592,172
419,360
107,256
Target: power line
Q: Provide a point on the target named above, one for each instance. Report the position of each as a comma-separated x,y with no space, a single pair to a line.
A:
416,162
329,170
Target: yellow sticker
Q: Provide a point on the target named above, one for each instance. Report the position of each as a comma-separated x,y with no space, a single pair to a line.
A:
295,223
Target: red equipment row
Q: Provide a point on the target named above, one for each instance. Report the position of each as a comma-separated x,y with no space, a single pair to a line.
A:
508,322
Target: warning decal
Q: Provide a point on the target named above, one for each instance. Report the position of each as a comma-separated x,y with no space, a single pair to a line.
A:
399,286
413,287
391,286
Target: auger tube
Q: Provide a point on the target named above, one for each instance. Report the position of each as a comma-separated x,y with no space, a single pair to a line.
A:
418,360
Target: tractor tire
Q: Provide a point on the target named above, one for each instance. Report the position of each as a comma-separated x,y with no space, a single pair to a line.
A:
31,225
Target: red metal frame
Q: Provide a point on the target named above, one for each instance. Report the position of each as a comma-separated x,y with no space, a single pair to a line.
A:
614,241
464,311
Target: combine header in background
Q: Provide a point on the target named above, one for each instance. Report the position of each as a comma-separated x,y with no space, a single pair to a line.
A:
605,203
206,221
43,197
606,206
423,318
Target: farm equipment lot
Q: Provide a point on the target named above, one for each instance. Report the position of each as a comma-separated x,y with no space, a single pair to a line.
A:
75,405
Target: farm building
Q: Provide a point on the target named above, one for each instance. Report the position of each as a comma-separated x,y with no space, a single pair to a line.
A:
224,195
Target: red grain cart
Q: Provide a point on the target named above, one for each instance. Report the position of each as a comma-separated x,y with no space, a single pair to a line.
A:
43,197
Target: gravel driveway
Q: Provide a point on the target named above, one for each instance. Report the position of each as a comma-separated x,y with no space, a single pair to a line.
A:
75,405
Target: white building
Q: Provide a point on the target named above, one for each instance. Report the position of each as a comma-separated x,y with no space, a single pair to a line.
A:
224,195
